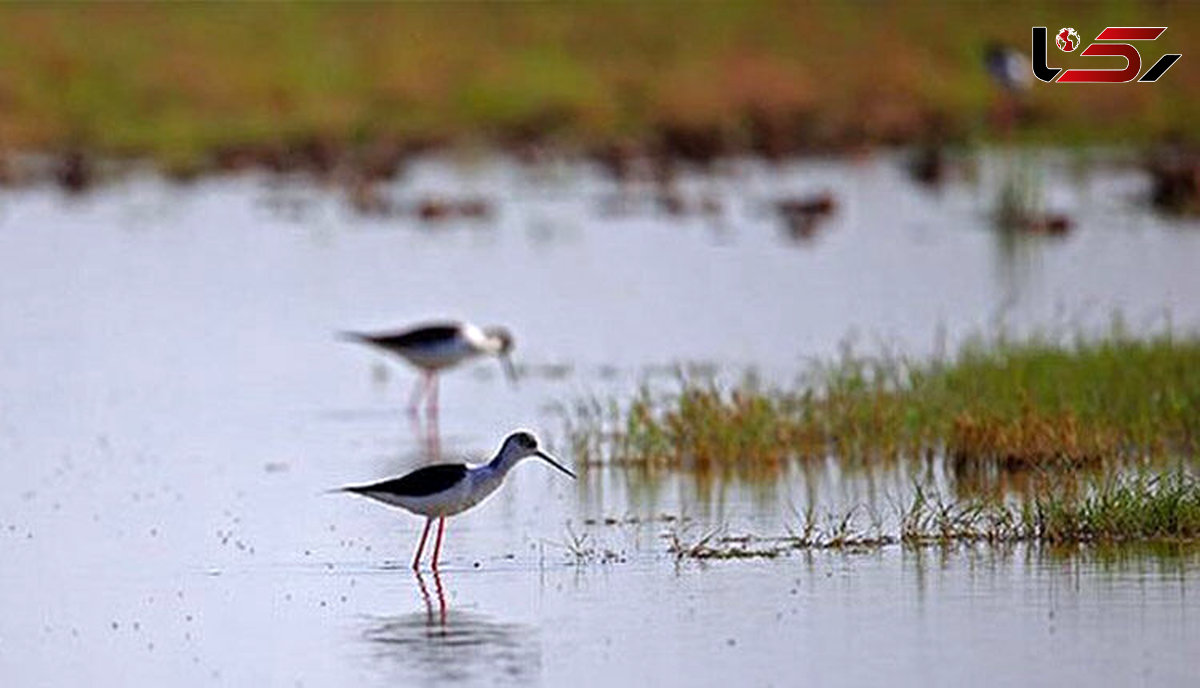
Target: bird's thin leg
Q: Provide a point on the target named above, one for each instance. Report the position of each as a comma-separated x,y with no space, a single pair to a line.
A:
419,389
431,400
434,437
421,547
437,549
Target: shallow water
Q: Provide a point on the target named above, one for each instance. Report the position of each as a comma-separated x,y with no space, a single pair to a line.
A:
173,404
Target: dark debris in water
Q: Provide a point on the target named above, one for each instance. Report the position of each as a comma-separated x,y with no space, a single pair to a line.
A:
636,520
370,200
803,215
1174,171
753,547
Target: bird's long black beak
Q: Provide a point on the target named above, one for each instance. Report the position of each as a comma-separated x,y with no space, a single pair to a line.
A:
509,369
550,460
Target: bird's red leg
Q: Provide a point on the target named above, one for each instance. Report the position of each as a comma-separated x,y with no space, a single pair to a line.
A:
431,399
437,549
421,547
419,389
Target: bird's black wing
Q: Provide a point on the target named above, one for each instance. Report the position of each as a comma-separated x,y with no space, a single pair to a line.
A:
415,337
420,483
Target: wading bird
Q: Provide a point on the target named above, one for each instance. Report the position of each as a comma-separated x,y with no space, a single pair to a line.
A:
442,490
1008,68
1012,74
435,346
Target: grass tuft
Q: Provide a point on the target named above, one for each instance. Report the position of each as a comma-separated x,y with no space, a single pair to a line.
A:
1037,404
1157,508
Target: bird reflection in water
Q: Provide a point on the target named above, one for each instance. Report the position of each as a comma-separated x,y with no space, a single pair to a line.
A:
440,644
441,597
427,434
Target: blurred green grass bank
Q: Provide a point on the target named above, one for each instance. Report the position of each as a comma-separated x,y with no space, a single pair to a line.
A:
194,84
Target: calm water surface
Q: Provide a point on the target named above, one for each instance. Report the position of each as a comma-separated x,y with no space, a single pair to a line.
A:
173,404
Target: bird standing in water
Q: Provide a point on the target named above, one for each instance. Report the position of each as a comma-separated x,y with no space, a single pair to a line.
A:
442,490
1008,68
435,346
1012,73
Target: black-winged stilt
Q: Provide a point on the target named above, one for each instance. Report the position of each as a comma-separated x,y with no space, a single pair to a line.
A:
433,347
447,489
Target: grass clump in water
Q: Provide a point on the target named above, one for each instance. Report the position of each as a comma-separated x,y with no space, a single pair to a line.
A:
1135,508
1139,508
1143,507
997,405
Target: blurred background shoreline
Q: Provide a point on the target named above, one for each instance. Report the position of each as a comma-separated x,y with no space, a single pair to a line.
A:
198,88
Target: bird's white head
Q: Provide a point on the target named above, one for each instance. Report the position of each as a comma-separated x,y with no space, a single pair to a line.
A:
501,339
501,342
522,444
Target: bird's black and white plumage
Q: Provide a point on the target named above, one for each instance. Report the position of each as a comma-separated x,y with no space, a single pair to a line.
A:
419,483
416,338
447,489
435,346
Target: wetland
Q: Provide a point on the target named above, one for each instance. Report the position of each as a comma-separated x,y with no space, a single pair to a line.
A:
909,443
